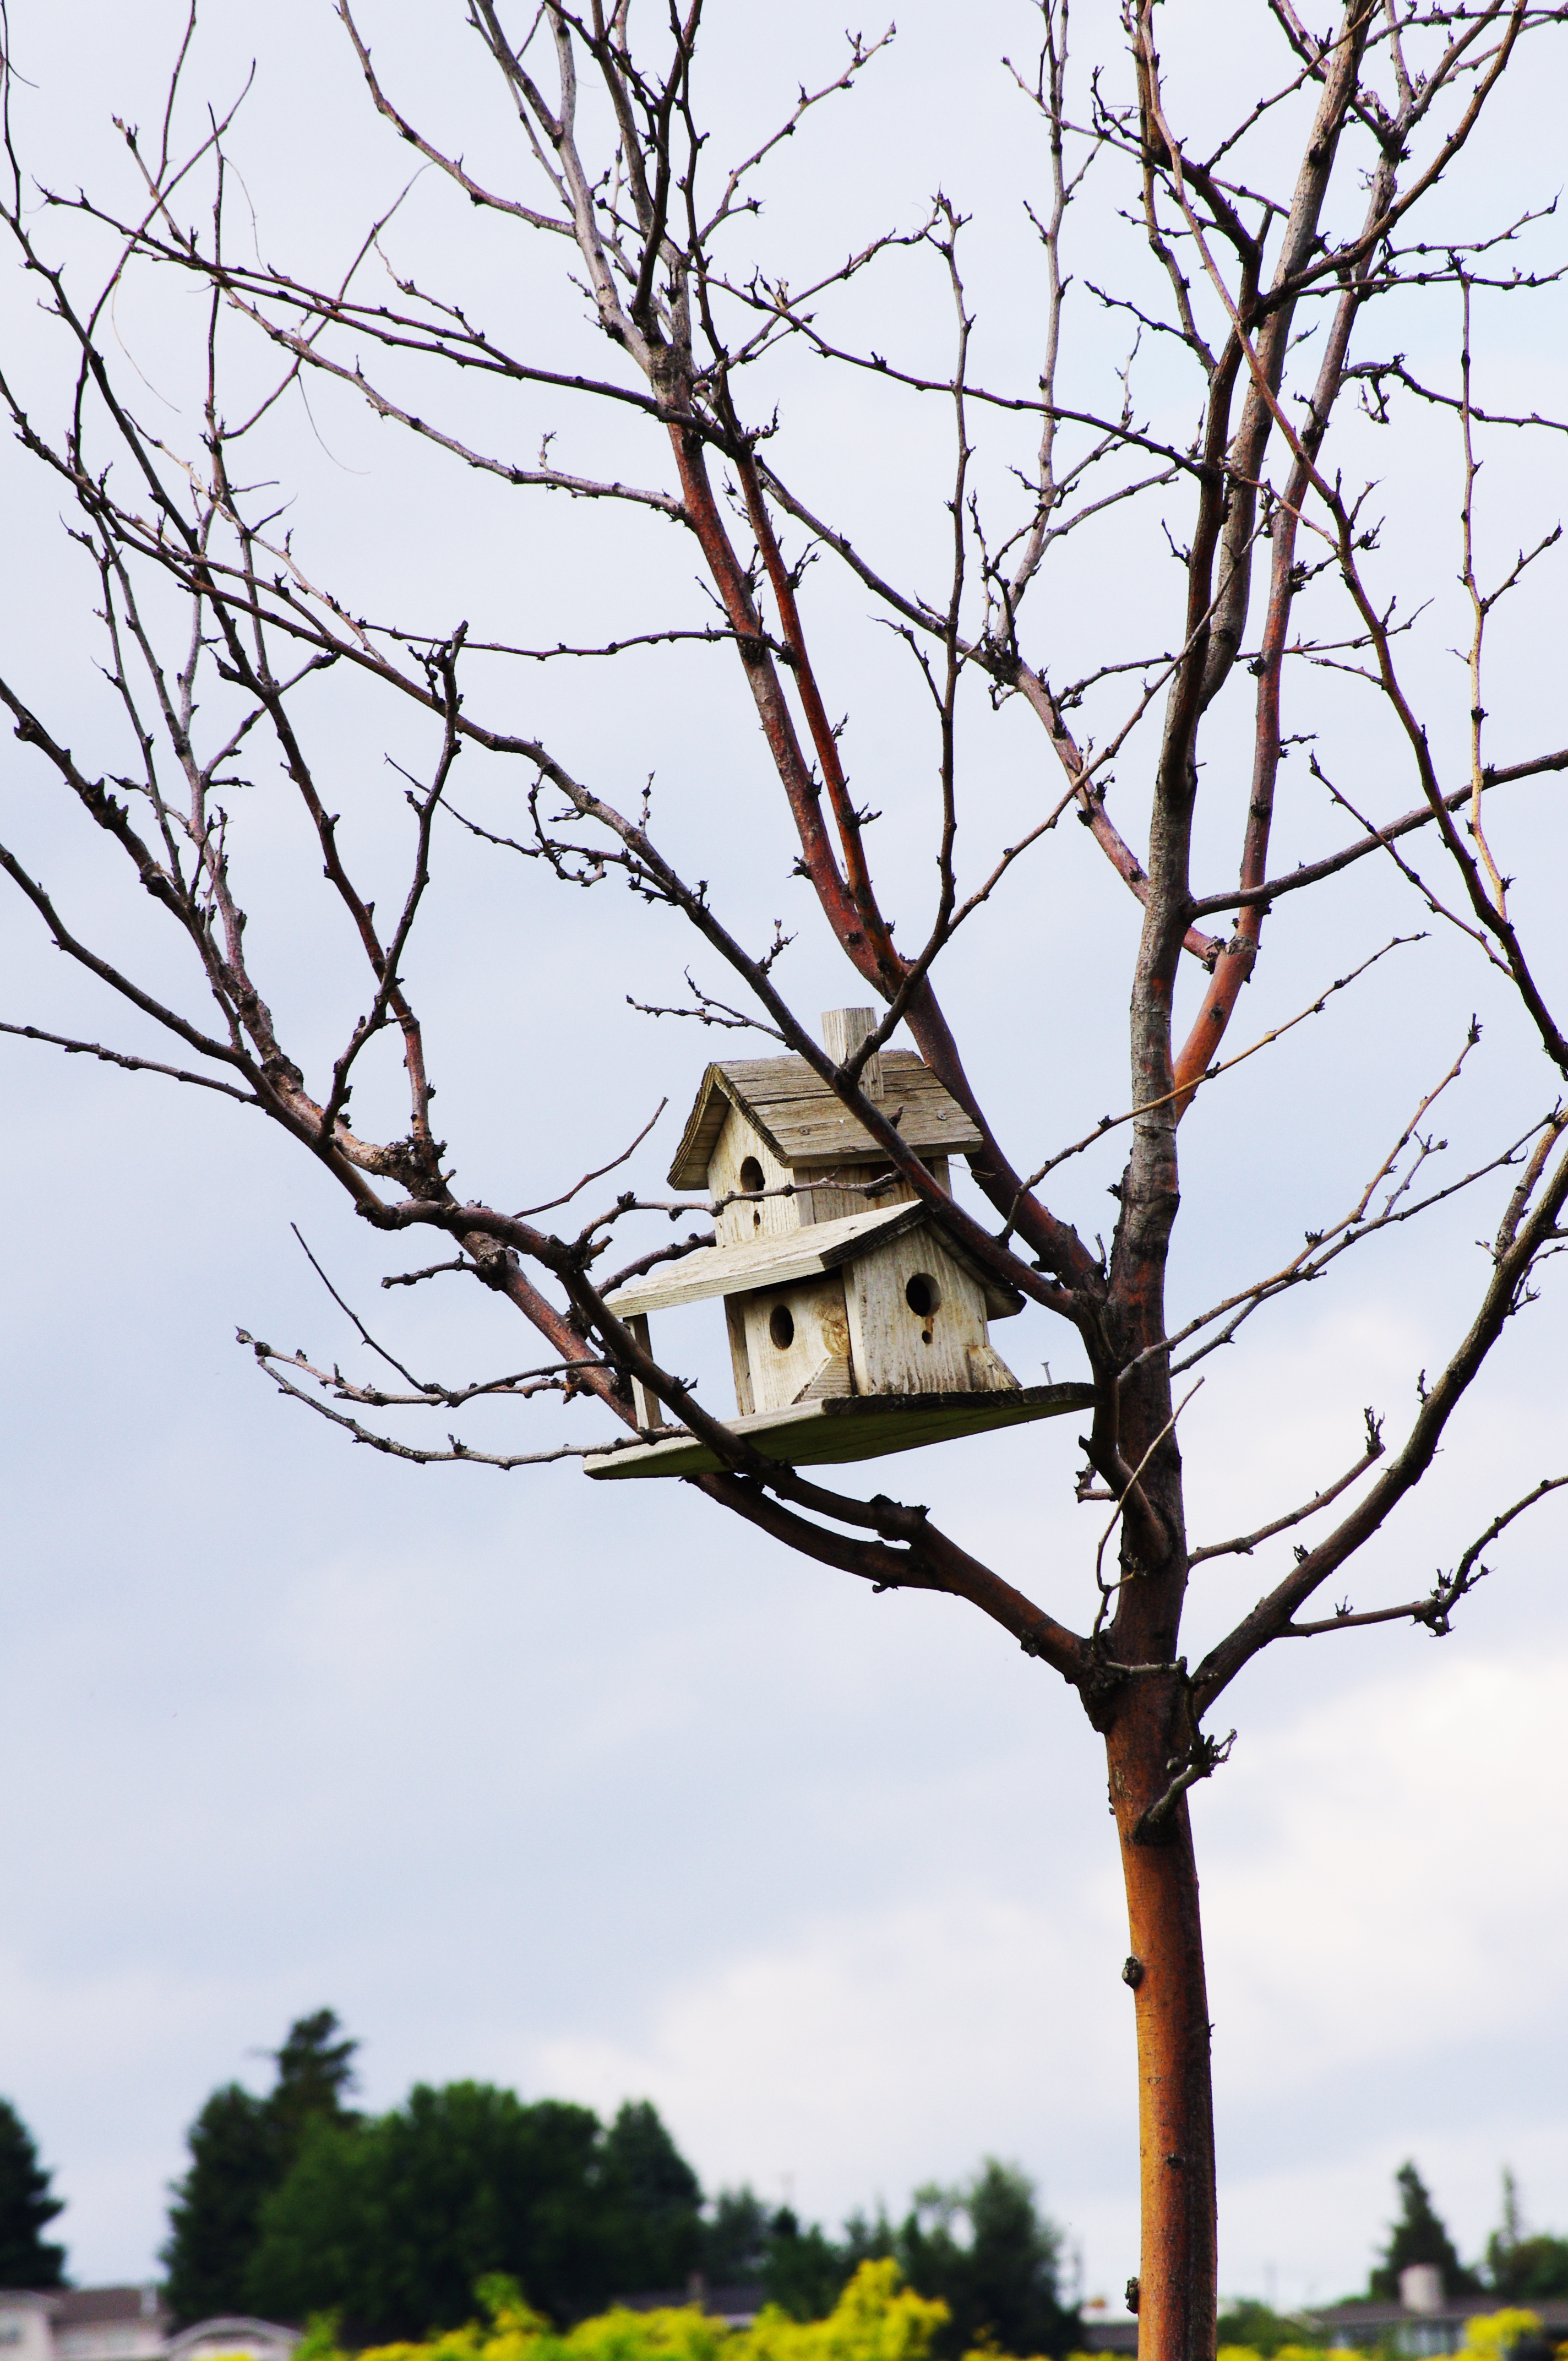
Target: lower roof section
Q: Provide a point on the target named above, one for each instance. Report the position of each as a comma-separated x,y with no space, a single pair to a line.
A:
847,1427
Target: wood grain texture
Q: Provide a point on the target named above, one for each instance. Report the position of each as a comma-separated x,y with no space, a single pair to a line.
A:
740,1360
988,1373
899,1350
648,1409
819,1338
820,1130
843,1030
834,1432
766,1262
840,1188
803,1122
767,1217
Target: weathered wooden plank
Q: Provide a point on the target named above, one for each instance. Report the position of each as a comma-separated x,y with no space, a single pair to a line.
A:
648,1408
989,1372
781,1094
735,1321
759,1078
773,1077
792,1332
843,1030
826,1192
914,1313
835,1430
739,1144
706,1121
768,1262
824,1133
907,1083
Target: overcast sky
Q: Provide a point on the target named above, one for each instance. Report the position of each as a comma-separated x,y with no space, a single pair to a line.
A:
583,1788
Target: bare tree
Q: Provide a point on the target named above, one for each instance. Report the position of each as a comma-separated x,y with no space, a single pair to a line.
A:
1263,255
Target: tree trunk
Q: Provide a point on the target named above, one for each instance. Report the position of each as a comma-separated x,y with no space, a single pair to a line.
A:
1177,2265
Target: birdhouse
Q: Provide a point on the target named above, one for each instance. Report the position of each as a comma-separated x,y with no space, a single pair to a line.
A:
855,1326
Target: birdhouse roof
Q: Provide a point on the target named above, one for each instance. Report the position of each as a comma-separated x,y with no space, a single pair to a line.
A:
840,1427
799,1254
802,1123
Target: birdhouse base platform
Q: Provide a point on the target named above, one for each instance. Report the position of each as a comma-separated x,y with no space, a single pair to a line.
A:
847,1426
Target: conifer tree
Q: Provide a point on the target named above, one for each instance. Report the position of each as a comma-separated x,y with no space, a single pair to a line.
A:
26,2207
241,2149
1524,2267
1419,2235
653,2202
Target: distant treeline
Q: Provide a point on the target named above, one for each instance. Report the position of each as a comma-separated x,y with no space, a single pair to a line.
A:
296,2205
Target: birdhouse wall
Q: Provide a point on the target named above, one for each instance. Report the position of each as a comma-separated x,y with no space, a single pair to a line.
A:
918,1322
768,1217
828,1193
790,1344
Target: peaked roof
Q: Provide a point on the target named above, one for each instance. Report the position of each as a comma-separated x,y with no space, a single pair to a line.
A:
89,2307
804,1124
778,1261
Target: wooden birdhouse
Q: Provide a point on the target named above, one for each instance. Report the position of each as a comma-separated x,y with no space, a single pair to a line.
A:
855,1327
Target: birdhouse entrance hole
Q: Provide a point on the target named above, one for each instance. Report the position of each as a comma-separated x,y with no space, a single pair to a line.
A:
923,1295
753,1181
781,1326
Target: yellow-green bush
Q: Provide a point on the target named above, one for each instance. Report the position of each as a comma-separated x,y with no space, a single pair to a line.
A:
1490,2336
875,2319
1291,2353
1493,2334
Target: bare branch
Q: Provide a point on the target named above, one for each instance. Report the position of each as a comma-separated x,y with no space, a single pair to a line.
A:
132,1065
1435,1611
598,1174
1244,1544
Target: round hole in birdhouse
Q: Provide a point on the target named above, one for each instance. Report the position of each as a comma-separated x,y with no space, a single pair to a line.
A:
922,1295
781,1327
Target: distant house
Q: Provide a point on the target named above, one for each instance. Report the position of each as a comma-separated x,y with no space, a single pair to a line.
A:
737,2306
1101,2329
24,2330
126,2324
111,2324
1424,2323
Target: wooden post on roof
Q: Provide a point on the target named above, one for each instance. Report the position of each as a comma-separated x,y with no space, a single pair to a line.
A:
843,1030
647,1408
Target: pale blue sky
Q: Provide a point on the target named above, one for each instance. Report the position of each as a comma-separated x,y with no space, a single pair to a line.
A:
582,1788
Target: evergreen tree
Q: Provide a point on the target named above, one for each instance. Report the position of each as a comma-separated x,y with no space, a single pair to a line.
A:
1419,2237
805,2270
26,2259
735,2239
654,2200
1524,2268
241,2149
315,2072
212,2217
